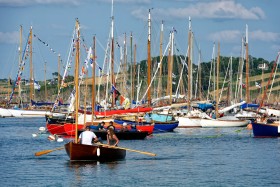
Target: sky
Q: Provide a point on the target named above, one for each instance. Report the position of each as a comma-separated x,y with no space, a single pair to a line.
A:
212,21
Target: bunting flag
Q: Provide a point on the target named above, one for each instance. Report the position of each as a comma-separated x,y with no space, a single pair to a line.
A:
258,85
174,30
47,45
37,86
114,90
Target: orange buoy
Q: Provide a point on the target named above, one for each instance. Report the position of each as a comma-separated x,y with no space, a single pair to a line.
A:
249,126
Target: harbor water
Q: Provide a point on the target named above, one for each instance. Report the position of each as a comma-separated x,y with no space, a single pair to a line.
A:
185,157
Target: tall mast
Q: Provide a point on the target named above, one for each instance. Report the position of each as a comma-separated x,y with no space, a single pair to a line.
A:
169,75
124,64
199,76
93,81
217,80
159,91
149,59
170,68
31,68
19,61
85,98
45,82
112,55
247,68
58,74
230,82
77,61
189,65
132,70
134,73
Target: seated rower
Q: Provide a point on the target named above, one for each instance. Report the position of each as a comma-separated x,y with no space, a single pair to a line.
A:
87,137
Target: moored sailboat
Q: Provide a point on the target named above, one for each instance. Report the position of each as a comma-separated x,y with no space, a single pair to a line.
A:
80,152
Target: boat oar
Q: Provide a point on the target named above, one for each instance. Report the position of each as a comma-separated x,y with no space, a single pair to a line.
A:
40,153
123,148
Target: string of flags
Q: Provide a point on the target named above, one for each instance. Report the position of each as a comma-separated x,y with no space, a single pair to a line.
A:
46,44
25,55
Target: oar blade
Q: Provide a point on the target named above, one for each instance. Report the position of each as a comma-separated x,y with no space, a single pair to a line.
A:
47,151
127,149
43,152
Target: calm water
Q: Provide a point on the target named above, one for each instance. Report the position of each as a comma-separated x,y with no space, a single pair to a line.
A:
186,157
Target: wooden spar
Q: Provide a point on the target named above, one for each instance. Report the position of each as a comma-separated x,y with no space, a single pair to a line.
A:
217,80
112,56
199,76
189,65
19,61
58,74
124,65
149,60
159,90
247,68
131,70
169,79
31,68
134,70
85,99
46,81
268,83
77,61
170,69
93,81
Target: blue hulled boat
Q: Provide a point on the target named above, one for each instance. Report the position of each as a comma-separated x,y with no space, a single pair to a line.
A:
262,130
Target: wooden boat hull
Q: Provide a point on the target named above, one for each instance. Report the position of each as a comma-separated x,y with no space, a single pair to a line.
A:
165,126
57,129
120,111
223,123
18,113
141,126
122,135
80,152
63,128
261,130
189,122
5,113
70,128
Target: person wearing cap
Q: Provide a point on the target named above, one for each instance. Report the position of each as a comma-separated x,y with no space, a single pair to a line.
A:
124,127
87,136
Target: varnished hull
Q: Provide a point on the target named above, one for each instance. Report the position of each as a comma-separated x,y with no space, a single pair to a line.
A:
80,152
122,135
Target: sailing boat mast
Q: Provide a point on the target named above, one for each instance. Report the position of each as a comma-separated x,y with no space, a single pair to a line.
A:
159,91
132,70
77,61
31,68
149,59
19,61
217,84
189,64
112,55
199,76
58,73
247,67
170,68
45,81
93,81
